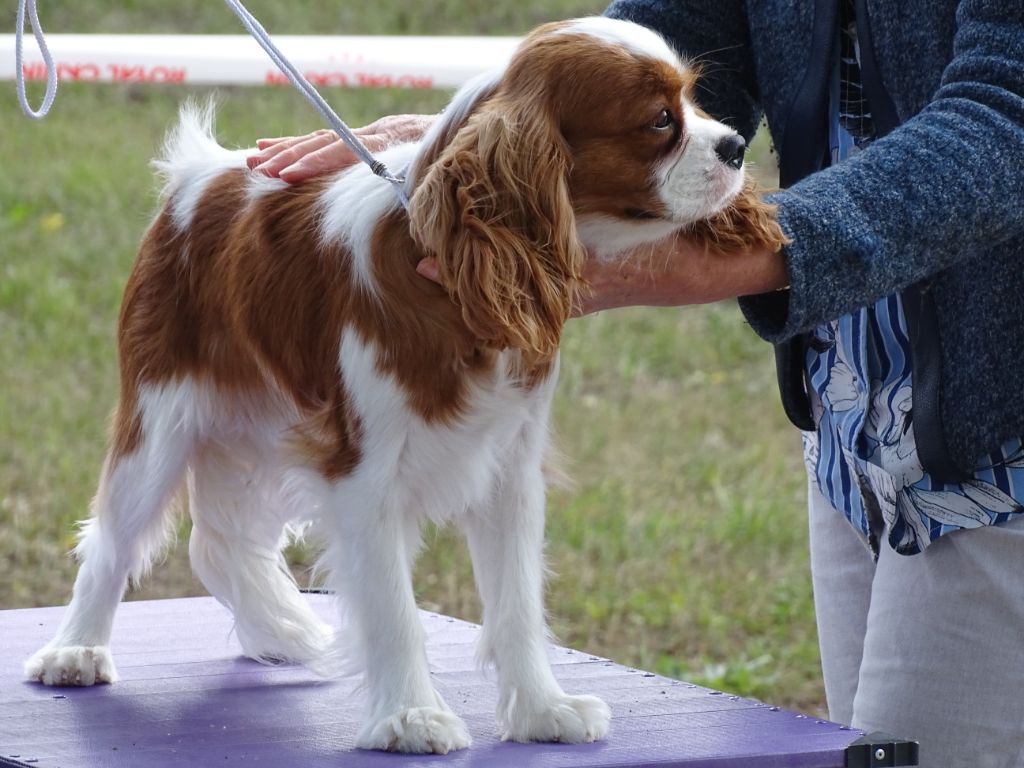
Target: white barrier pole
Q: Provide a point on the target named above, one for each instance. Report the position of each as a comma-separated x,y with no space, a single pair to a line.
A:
346,61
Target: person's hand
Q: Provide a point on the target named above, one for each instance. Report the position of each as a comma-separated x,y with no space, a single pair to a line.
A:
296,158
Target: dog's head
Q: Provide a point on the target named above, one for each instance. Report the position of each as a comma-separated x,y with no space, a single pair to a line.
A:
589,138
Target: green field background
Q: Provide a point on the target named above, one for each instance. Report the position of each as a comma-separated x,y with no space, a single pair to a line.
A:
682,546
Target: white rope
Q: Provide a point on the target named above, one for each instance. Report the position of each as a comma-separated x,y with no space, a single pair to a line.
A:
262,37
313,97
51,70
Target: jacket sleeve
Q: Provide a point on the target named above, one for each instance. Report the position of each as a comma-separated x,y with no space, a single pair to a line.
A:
715,37
942,187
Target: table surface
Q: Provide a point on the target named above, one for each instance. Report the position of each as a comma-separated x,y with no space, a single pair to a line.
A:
187,697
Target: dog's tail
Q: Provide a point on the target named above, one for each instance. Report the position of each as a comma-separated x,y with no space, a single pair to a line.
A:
190,152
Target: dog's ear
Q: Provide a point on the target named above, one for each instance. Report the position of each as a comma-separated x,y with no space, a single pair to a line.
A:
747,224
494,211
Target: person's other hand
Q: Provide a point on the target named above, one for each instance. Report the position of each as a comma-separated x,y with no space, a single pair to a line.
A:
296,158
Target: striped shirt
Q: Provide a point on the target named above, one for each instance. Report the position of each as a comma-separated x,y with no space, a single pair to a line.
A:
859,370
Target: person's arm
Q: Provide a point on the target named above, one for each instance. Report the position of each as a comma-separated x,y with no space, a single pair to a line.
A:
946,184
676,272
671,273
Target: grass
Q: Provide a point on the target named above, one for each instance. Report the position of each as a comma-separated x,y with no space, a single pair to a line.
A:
682,547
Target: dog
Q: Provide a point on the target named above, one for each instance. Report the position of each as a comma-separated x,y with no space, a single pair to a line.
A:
281,357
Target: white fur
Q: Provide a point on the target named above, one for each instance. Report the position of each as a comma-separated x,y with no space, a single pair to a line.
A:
639,40
260,185
606,237
481,470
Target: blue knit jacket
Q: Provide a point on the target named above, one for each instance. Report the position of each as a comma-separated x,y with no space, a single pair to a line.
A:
934,209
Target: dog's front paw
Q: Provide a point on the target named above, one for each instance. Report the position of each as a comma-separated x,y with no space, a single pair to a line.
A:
72,665
569,719
420,730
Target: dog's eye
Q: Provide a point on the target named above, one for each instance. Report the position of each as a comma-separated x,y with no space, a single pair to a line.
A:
663,121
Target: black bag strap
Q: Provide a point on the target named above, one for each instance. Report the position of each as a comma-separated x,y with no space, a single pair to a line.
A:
804,150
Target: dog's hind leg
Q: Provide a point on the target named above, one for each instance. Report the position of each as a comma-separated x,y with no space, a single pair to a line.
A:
239,528
128,526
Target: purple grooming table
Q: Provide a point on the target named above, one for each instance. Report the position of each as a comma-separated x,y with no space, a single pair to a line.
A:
186,697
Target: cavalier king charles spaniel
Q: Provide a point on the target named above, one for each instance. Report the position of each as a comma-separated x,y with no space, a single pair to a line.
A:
281,357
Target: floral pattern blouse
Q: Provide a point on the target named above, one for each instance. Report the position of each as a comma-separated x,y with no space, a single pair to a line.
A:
863,454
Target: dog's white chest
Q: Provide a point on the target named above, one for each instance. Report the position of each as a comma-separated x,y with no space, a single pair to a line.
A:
441,467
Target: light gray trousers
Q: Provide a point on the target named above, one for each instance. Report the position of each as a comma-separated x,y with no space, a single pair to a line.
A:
928,647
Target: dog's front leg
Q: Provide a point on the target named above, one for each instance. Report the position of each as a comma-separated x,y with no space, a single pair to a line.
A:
506,542
373,575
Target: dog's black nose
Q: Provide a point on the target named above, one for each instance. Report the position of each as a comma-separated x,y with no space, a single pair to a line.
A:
730,150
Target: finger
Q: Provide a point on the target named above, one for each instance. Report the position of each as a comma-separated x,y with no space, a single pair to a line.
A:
277,147
284,157
336,157
333,157
428,268
274,147
264,143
